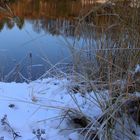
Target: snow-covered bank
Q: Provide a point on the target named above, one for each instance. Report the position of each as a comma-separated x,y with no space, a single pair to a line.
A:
48,110
39,108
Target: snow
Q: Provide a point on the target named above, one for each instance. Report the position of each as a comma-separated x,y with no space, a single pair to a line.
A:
137,69
38,108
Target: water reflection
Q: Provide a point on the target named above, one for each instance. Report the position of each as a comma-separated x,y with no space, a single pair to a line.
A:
35,28
53,16
40,29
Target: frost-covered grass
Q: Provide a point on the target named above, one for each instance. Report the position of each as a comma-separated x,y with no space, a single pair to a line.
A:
107,59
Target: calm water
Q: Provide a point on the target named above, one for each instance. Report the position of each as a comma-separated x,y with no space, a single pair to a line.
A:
38,34
33,34
26,45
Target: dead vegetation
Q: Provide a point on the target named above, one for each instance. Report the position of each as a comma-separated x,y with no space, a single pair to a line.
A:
107,61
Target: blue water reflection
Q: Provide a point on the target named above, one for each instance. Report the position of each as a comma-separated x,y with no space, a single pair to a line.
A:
16,45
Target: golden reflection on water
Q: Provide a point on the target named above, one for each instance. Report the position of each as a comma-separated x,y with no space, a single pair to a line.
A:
51,15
